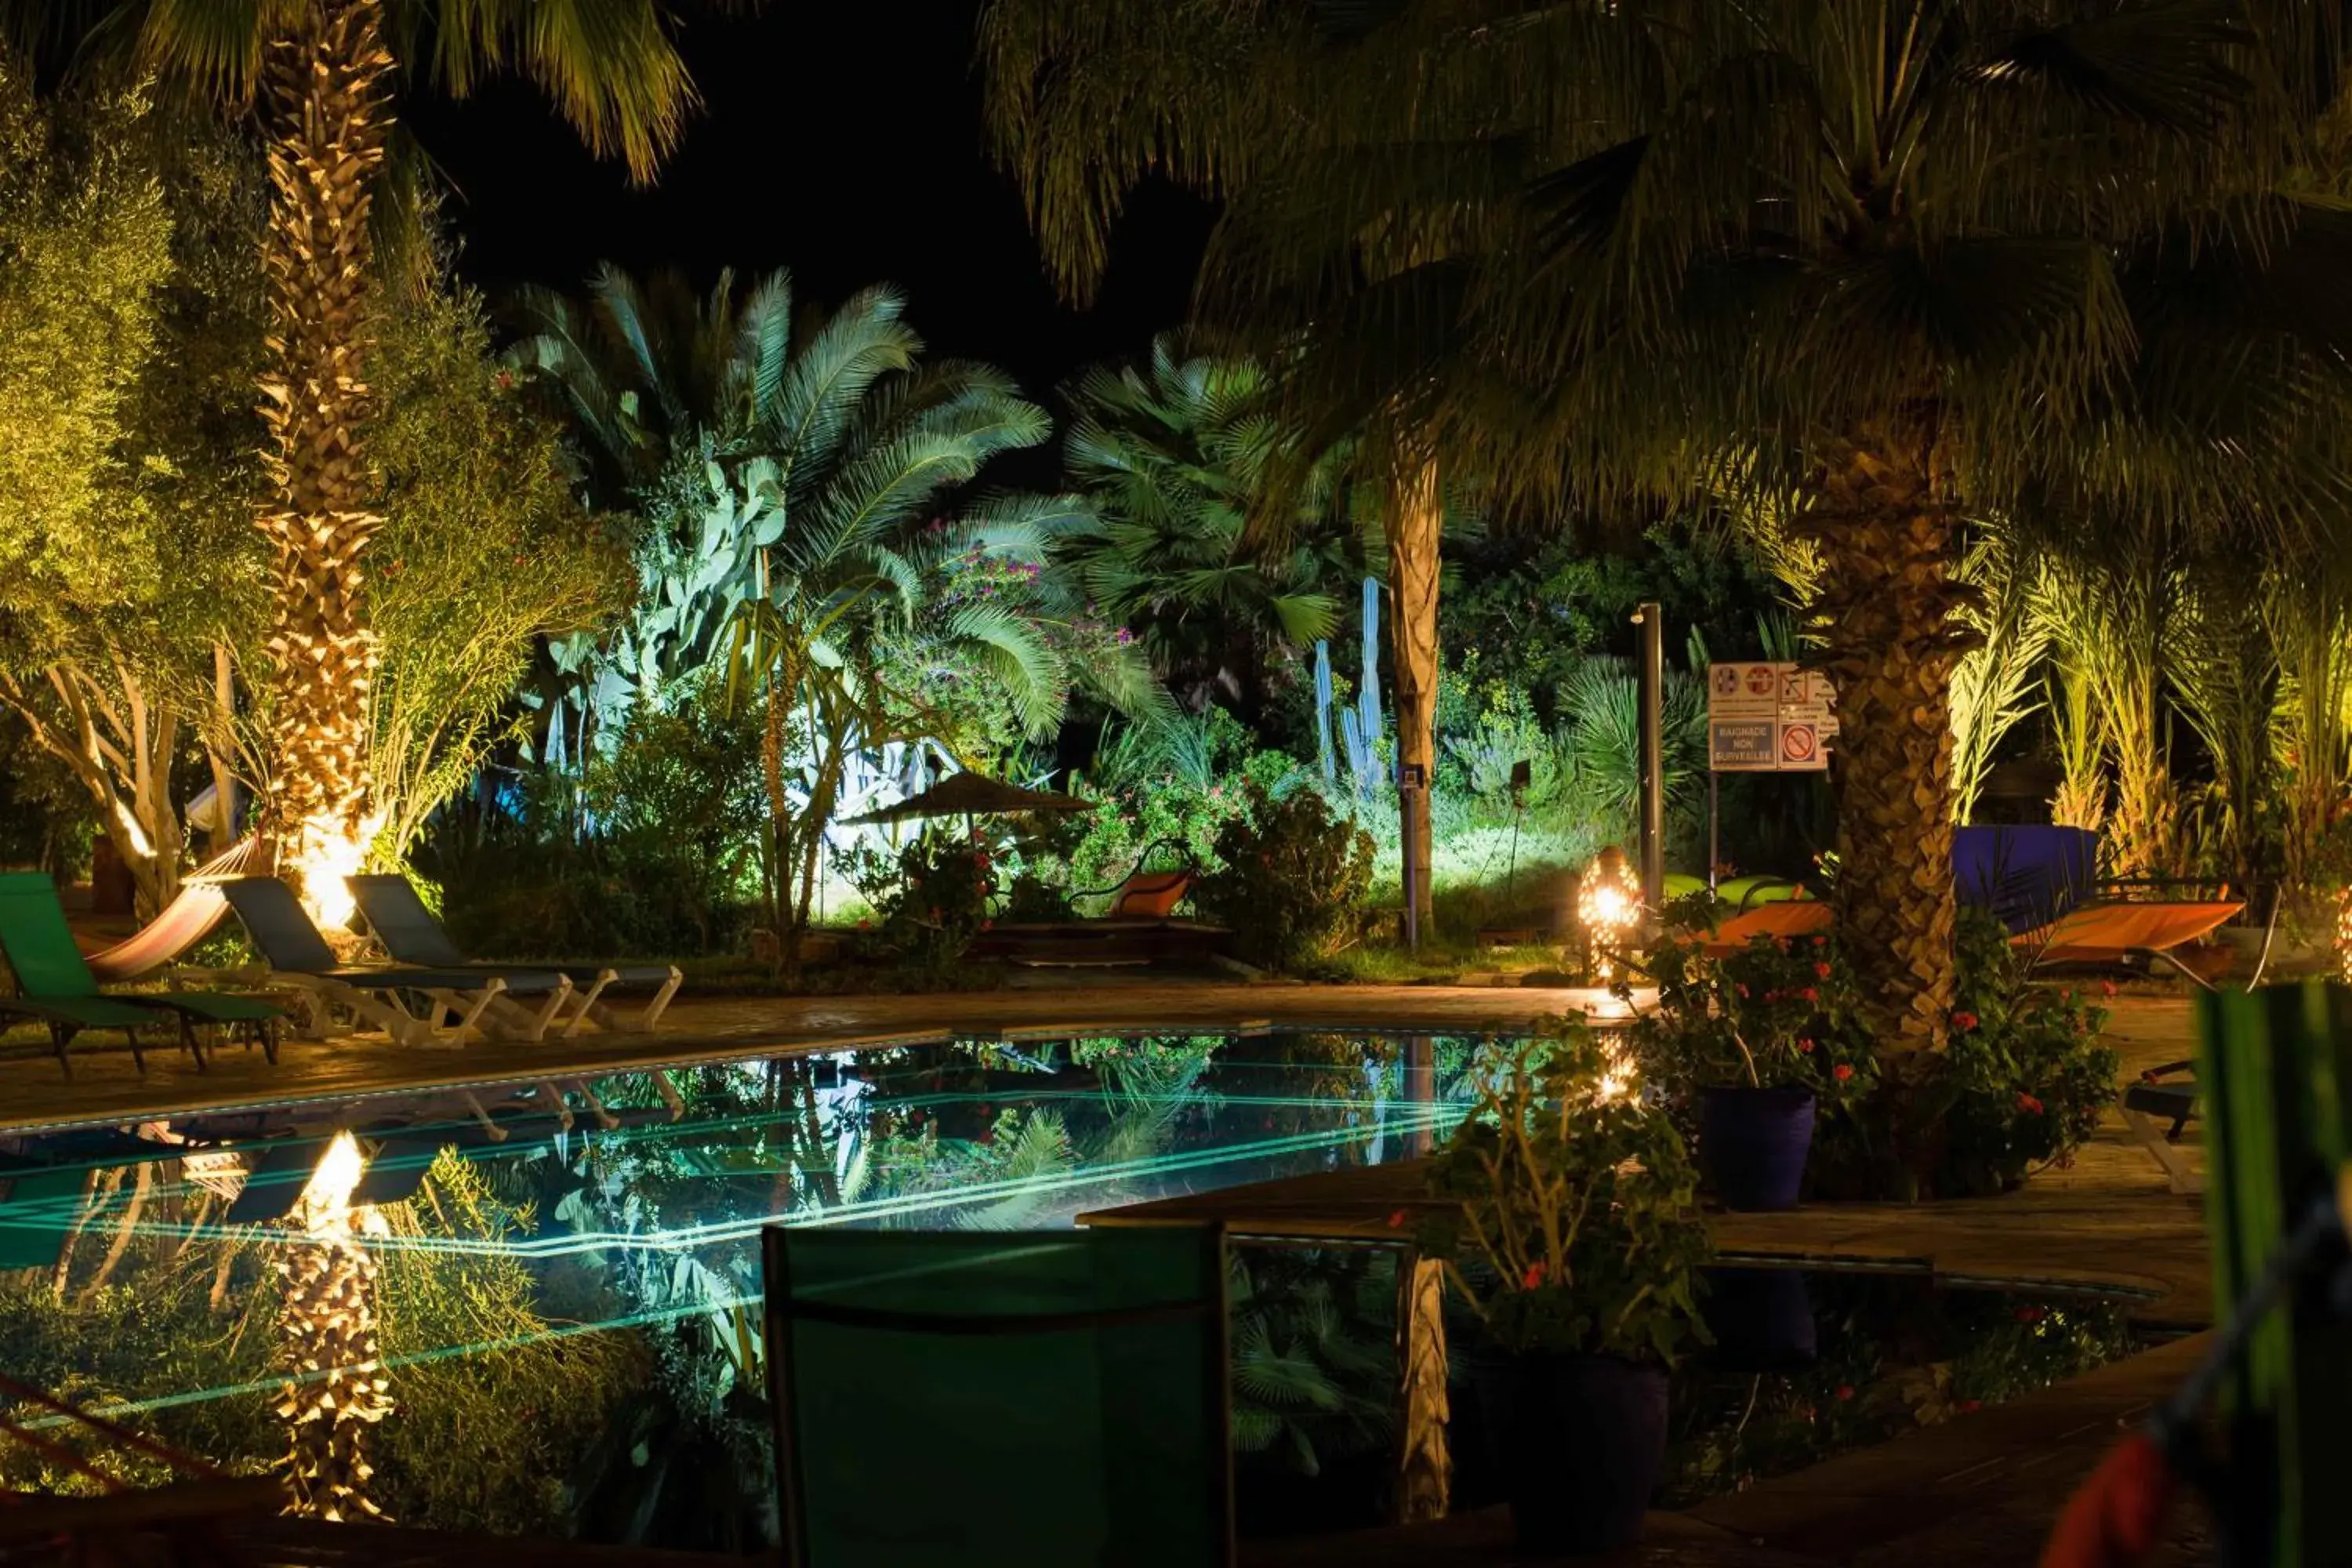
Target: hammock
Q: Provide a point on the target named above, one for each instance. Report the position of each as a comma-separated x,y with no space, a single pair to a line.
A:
186,921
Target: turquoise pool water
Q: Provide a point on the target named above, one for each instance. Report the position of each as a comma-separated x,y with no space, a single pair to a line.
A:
568,1314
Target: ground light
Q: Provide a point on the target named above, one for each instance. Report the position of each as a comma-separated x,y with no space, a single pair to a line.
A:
1608,907
337,1389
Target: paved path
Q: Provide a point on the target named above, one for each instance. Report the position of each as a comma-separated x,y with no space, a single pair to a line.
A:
105,1088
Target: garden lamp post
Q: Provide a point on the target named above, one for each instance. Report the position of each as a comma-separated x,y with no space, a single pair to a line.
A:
1652,622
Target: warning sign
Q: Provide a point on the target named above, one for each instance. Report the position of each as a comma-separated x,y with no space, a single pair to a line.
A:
1742,746
1767,717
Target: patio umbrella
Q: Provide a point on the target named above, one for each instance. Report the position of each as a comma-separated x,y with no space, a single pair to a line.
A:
971,794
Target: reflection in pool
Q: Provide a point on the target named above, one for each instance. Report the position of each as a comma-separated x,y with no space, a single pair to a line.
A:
568,1313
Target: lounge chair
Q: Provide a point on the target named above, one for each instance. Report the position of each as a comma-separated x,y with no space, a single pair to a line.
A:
299,957
56,986
1139,927
411,935
2101,933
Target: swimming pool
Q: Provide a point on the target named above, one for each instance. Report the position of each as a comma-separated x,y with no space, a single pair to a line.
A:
565,1279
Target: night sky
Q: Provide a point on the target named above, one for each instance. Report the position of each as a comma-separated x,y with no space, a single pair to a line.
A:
843,141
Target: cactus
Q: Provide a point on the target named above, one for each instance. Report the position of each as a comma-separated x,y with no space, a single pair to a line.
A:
1323,710
1362,727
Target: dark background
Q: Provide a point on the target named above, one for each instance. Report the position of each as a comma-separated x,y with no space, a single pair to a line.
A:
843,141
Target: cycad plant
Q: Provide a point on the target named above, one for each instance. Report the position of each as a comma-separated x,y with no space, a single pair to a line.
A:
1173,456
1885,263
324,72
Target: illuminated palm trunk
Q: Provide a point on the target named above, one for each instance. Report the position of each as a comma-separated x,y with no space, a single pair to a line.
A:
1414,534
1884,521
325,88
336,1389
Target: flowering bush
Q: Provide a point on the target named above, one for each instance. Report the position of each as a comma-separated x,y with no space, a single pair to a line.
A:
932,899
1570,1216
1769,1016
2021,1084
1292,878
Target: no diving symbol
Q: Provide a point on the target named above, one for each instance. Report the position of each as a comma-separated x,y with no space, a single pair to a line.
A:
1799,743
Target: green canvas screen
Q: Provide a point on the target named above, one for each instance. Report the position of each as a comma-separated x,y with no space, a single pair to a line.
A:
1014,1398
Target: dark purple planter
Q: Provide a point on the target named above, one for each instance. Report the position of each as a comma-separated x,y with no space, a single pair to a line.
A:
1752,1144
1761,1319
1579,1440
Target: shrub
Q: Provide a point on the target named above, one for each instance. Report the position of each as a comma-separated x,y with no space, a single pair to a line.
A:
1293,878
1770,1016
931,900
1572,1222
2022,1082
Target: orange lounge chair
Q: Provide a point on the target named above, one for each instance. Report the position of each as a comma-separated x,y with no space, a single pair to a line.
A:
2095,933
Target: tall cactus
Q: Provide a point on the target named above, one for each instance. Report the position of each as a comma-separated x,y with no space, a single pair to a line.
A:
1323,711
1361,728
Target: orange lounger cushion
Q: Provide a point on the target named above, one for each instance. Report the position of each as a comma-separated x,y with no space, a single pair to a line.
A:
2109,930
1154,894
1795,918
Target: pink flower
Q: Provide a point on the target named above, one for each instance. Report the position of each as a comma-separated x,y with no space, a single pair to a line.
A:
2028,1104
2106,987
1964,1021
1841,1072
1743,993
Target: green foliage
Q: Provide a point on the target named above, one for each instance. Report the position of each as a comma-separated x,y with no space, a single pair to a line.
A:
1602,748
1174,458
2022,1083
1572,1222
933,897
1770,1016
651,853
1314,1347
483,551
1292,878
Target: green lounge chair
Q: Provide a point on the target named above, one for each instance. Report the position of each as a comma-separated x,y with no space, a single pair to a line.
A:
55,986
298,957
411,935
1000,1399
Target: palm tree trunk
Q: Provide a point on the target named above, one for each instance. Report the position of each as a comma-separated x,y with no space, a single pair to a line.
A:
324,84
1413,531
1884,520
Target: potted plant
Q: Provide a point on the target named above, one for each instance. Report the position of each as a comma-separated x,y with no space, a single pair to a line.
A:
1566,1215
1757,1041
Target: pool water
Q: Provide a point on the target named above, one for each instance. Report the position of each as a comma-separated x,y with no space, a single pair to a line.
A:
569,1316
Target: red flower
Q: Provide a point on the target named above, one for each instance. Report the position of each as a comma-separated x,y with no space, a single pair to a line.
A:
1845,1391
1841,1072
865,925
1964,1021
2028,1314
988,925
1808,995
935,914
1968,1406
2028,1104
1532,1278
1743,993
1396,1219
2106,987
1820,971
1821,941
1804,1045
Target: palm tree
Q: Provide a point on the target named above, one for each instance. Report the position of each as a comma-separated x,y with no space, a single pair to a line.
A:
829,563
1879,263
323,70
1174,456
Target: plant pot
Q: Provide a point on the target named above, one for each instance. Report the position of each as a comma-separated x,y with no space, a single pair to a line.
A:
1578,1441
1761,1319
1752,1144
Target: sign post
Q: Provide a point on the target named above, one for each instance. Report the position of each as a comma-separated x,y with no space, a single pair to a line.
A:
1763,717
